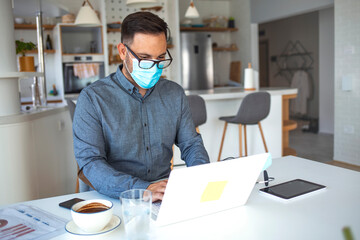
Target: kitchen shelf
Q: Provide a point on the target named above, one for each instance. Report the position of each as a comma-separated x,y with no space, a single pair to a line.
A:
289,151
289,125
36,51
113,30
207,29
81,54
32,26
115,62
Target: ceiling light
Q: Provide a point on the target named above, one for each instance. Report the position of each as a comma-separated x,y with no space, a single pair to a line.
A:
87,16
192,12
142,3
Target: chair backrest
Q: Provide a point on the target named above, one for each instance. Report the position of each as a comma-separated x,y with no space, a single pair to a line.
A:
254,108
71,106
80,185
198,109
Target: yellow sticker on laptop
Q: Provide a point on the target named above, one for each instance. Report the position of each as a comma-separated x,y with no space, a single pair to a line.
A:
213,191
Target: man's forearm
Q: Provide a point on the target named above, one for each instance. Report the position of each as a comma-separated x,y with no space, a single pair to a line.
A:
109,181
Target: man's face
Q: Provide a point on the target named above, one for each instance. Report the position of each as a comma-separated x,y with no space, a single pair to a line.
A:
145,46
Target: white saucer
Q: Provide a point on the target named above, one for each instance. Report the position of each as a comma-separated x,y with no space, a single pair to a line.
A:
72,228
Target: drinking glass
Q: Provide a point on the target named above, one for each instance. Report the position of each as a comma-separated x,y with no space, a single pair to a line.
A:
136,210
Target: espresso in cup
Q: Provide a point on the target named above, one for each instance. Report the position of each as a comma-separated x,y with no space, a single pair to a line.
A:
92,208
92,215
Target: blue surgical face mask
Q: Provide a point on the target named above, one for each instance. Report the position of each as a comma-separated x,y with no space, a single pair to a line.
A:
145,78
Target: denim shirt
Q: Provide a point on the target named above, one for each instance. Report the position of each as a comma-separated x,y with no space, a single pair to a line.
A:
124,141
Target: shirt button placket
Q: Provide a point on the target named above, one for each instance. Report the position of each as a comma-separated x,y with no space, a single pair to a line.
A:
147,137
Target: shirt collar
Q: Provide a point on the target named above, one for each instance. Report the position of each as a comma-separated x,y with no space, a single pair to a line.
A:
127,85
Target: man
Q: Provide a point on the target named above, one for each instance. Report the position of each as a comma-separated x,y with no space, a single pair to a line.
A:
126,124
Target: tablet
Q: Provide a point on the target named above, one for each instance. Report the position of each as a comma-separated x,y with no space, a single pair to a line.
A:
292,189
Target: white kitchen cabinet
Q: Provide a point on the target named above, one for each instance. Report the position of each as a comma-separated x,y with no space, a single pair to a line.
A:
36,155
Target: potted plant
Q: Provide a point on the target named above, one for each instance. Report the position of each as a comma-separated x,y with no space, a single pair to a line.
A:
231,22
26,63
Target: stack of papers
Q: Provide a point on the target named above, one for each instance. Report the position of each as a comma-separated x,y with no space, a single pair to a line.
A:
28,222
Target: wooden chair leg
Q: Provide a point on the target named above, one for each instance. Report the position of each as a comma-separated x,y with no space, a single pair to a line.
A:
77,180
262,136
240,141
245,140
222,141
172,159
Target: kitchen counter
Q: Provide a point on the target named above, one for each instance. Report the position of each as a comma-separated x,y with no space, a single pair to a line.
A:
34,145
225,101
237,92
32,114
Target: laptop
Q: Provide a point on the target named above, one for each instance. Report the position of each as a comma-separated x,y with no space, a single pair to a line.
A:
204,189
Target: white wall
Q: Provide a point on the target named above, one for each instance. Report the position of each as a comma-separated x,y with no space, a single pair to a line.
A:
269,10
326,71
303,28
240,11
347,65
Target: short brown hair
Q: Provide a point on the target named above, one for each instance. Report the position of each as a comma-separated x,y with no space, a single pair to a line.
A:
142,22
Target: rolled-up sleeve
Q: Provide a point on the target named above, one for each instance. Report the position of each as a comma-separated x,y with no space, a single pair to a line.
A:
90,152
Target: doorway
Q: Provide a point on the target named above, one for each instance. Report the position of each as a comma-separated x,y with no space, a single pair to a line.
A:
264,63
309,140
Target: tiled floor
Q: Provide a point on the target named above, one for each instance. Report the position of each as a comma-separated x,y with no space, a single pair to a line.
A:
318,147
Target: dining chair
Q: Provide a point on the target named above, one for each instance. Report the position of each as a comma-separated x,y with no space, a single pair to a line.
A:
81,186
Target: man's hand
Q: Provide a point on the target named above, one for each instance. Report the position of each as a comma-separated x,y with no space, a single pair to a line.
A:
158,190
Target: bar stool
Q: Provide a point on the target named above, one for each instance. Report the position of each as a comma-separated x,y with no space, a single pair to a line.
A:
198,110
198,114
254,108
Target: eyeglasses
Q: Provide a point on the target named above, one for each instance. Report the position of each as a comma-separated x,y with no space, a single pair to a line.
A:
148,63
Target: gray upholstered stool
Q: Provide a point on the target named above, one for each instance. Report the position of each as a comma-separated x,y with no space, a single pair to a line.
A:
198,114
254,108
198,110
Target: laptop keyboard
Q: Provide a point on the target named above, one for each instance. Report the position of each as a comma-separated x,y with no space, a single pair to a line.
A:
155,210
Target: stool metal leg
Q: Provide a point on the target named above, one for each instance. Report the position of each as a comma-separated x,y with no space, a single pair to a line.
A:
262,136
240,141
245,141
222,140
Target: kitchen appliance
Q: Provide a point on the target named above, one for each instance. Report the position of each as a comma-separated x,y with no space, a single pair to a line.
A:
80,71
197,61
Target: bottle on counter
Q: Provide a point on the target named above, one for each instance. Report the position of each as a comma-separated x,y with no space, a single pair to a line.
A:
249,83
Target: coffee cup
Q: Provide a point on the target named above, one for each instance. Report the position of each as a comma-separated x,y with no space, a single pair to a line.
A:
92,215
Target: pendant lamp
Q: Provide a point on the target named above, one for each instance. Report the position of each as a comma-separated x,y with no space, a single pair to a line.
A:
87,16
142,3
192,12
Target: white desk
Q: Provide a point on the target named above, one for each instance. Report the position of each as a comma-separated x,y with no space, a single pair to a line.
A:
319,216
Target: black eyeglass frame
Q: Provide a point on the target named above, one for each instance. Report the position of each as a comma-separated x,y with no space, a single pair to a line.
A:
155,62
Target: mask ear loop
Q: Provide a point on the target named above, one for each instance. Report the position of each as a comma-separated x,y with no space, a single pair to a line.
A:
127,69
